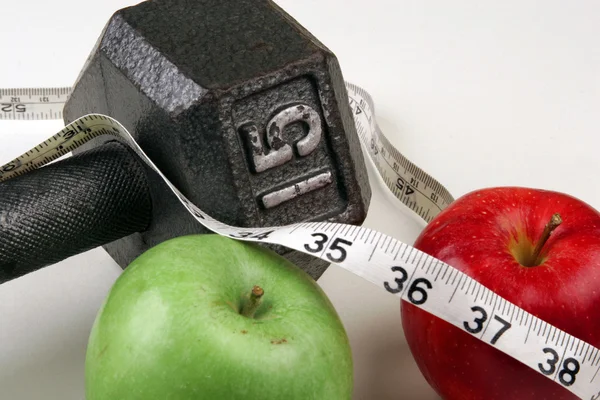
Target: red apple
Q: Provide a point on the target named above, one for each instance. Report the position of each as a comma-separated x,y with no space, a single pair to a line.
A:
491,235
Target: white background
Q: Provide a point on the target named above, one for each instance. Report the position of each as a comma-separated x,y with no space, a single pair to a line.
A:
478,93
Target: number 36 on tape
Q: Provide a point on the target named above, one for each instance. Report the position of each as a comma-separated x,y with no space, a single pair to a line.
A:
396,267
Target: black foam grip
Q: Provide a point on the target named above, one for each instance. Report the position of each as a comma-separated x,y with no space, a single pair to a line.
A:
71,206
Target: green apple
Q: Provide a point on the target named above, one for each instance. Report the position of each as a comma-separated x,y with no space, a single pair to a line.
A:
208,317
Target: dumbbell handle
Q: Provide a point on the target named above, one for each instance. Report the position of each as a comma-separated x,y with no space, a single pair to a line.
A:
71,206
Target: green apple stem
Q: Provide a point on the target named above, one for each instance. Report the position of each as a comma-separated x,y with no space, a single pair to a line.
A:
555,221
249,309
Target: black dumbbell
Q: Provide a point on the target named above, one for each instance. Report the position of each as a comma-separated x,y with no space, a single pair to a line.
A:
239,106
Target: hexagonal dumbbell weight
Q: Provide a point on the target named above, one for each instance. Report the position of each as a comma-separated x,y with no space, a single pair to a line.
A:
239,106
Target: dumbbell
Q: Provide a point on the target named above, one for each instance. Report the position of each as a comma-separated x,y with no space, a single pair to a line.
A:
236,103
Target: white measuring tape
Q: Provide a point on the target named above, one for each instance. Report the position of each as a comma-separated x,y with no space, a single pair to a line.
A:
33,104
390,264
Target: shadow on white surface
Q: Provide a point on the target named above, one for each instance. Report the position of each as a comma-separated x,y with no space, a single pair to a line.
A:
46,319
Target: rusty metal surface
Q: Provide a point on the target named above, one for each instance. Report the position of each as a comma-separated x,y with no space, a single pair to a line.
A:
241,108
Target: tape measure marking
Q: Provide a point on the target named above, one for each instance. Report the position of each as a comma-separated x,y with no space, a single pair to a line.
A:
394,266
33,103
410,184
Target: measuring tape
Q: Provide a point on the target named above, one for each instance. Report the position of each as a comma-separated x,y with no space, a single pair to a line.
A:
33,104
396,267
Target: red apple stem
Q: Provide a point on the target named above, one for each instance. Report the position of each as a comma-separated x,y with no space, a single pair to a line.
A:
255,300
555,221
